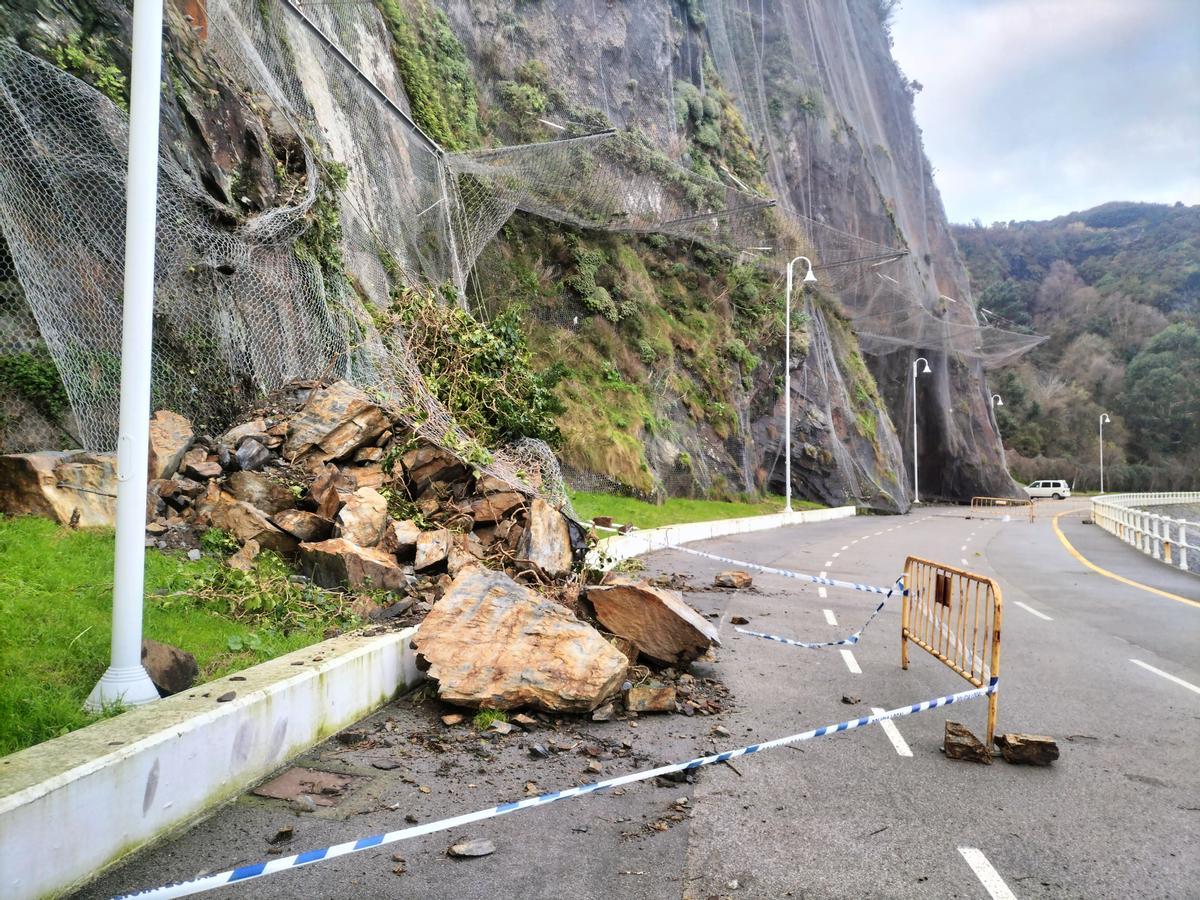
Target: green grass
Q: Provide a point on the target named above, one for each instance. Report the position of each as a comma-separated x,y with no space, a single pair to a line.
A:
56,608
485,717
627,510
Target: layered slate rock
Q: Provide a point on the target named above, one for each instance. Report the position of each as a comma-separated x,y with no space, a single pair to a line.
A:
1027,749
656,621
246,523
259,491
303,525
960,743
70,488
363,519
546,540
171,436
337,562
490,642
432,548
734,578
334,422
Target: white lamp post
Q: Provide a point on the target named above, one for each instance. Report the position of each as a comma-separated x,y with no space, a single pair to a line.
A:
787,379
925,371
125,680
1103,418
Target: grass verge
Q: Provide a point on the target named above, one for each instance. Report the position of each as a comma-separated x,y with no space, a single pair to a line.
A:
627,510
56,606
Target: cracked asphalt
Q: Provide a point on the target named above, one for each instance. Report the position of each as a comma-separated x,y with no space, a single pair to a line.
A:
850,815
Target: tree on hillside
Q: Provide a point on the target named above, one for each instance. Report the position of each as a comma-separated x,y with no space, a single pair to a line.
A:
1161,400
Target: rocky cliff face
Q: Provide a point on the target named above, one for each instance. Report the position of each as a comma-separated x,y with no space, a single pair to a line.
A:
799,101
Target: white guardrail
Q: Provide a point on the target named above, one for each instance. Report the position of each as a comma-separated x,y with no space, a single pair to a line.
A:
1162,537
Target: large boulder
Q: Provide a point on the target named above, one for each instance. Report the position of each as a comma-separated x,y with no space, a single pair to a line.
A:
338,563
303,525
546,540
170,437
363,518
334,422
492,508
656,621
490,642
432,548
71,488
246,523
172,670
428,464
260,492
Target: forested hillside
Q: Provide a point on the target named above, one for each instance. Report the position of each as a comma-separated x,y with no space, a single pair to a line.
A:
1117,291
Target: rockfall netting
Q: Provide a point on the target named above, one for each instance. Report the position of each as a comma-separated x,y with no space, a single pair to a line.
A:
247,301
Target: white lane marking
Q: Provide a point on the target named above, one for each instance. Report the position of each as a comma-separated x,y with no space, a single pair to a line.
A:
878,533
822,593
829,617
835,556
847,547
1028,608
851,662
823,574
963,547
1166,675
988,876
893,733
828,563
964,562
855,541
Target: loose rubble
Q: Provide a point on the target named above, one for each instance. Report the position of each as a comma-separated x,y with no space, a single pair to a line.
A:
1027,749
960,743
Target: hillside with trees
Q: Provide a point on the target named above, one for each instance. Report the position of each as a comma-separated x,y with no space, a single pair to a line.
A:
1116,290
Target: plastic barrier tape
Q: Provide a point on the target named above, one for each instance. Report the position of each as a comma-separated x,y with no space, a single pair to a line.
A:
787,573
283,864
852,639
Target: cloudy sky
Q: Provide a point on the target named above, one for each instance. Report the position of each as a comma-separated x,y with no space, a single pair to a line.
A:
1036,108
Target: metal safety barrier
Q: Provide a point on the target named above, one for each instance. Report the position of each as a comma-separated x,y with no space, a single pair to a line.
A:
980,505
1162,537
955,616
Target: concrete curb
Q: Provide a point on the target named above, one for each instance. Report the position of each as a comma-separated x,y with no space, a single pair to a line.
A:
613,550
73,806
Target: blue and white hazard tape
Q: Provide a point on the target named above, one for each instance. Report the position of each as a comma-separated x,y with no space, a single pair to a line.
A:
852,639
274,866
787,573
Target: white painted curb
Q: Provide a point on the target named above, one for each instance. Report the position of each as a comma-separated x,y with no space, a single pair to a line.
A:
620,547
72,806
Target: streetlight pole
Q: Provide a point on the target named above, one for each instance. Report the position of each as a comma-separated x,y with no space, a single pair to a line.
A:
787,379
125,680
1103,418
926,371
996,401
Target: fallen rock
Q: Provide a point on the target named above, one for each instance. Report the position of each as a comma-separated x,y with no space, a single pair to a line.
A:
490,642
260,492
329,490
650,697
465,550
246,523
334,422
960,743
251,455
170,437
733,579
546,540
362,520
244,558
172,670
602,521
401,538
490,484
195,464
468,849
234,436
453,719
738,620
657,621
432,548
303,525
429,463
338,563
494,507
78,489
1027,749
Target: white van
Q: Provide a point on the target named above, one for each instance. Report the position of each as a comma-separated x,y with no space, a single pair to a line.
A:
1041,489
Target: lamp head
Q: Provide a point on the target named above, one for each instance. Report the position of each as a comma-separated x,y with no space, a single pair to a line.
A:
999,400
809,277
925,362
1104,417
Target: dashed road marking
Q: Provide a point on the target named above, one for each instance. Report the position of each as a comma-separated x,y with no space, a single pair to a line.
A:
893,733
822,593
1028,608
964,562
847,547
851,662
828,563
836,555
1166,675
963,547
829,616
823,574
987,875
878,533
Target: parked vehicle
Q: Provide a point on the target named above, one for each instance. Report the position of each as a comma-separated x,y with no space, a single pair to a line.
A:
1041,489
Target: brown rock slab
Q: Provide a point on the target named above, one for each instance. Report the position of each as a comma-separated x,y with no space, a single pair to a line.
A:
432,548
329,490
338,563
255,428
960,743
244,558
656,620
172,670
324,788
401,538
170,437
361,521
453,719
650,697
252,455
734,578
1027,749
247,523
546,540
334,422
491,642
260,491
469,849
428,464
603,521
490,484
494,507
465,550
303,525
70,488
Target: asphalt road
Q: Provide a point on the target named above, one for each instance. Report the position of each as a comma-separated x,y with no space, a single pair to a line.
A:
861,814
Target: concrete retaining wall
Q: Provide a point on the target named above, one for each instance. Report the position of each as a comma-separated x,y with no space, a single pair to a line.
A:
75,805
